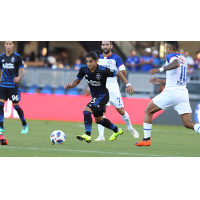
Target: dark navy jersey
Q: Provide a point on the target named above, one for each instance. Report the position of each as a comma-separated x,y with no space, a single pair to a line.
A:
10,68
97,79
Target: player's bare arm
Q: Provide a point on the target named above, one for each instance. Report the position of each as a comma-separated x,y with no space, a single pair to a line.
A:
17,79
124,72
73,84
157,81
175,64
129,88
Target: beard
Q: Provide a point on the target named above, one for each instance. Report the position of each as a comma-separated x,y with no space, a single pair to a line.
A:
106,51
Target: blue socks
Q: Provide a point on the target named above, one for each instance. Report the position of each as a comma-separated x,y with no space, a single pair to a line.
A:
108,124
1,114
21,115
87,122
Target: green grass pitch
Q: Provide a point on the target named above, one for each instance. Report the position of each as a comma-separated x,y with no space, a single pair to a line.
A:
167,141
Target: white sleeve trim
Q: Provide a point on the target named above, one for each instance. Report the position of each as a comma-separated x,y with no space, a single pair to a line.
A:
122,67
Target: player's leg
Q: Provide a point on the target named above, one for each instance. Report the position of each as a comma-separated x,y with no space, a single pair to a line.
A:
15,96
3,98
188,123
21,116
99,119
101,128
2,102
88,125
147,125
126,118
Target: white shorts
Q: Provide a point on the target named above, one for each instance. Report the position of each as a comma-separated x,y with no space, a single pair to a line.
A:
115,99
176,98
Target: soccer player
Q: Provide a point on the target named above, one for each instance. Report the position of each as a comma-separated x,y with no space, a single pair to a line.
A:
174,95
96,77
113,61
10,64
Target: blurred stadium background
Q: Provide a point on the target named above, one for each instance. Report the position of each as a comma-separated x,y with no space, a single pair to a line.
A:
51,64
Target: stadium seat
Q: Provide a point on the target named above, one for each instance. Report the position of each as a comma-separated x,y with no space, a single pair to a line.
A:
59,90
46,89
73,91
32,89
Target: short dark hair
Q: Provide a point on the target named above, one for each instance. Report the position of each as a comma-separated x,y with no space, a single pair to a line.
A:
93,54
110,42
173,44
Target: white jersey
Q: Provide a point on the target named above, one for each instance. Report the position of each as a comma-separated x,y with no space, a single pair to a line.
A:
176,78
113,62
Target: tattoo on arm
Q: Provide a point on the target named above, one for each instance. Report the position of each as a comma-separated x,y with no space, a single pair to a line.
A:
175,64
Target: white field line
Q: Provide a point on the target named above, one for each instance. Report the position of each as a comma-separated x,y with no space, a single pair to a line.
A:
42,149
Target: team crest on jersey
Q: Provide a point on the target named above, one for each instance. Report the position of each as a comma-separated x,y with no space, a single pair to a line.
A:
109,62
13,59
98,76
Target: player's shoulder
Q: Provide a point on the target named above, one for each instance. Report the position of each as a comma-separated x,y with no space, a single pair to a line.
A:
115,56
101,56
100,67
16,54
172,55
2,54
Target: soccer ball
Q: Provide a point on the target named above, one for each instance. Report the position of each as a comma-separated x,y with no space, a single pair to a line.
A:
57,137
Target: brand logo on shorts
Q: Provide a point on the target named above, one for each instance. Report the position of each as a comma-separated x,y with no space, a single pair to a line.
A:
109,62
197,113
98,76
13,59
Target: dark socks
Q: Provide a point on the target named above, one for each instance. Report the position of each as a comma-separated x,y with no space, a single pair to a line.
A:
1,114
87,122
21,115
108,124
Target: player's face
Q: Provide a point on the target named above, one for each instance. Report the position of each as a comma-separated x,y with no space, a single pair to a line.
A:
106,47
168,49
91,63
9,45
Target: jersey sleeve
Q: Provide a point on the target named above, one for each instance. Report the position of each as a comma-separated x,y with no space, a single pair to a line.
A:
171,57
120,64
20,62
80,74
110,72
0,65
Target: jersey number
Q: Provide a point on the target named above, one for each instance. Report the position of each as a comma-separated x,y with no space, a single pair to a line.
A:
15,98
183,73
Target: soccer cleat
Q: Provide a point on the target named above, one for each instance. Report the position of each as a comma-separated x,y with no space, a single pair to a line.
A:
25,129
114,135
3,140
2,130
100,139
144,142
134,133
85,137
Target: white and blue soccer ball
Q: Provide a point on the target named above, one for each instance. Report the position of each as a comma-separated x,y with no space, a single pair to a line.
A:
57,137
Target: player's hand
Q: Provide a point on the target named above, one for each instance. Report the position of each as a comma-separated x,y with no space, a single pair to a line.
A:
16,80
153,71
68,86
155,81
130,90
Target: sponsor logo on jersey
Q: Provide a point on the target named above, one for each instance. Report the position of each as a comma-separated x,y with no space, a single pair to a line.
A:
109,61
13,59
98,76
8,66
94,83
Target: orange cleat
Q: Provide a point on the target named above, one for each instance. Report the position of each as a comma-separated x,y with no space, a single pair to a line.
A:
3,140
144,142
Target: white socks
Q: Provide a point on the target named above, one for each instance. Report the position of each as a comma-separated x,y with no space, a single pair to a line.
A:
147,130
197,128
127,120
101,129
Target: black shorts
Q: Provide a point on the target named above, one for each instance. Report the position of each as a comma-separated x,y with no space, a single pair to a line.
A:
98,104
10,93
